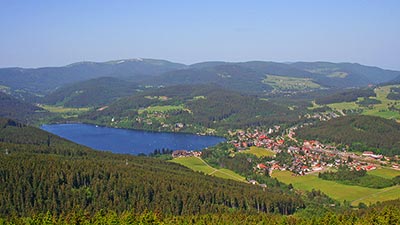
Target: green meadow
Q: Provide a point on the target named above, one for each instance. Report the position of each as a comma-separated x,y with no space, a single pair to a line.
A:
61,109
161,108
290,83
64,112
385,172
197,164
259,152
381,109
337,191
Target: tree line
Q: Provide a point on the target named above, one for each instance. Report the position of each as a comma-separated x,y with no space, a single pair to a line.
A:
38,176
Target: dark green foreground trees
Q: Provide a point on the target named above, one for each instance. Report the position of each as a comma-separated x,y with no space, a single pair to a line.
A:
47,180
387,213
41,172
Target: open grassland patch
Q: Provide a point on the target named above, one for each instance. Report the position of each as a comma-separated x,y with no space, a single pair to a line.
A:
61,109
385,173
290,83
197,164
161,108
337,191
381,109
259,152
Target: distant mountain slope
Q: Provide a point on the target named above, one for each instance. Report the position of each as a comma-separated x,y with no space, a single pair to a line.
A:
41,172
396,80
13,108
17,133
346,96
352,73
94,92
229,76
42,80
191,108
245,77
361,133
248,76
202,65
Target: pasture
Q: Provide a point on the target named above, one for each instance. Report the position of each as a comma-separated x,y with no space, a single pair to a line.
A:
337,191
198,164
290,83
259,152
161,108
381,109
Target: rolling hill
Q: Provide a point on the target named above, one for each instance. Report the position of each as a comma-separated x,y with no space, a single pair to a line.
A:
249,77
13,108
93,181
361,133
353,74
44,80
228,76
191,108
94,92
246,77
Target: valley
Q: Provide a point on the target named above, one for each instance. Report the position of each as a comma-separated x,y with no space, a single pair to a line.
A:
286,134
352,194
382,107
200,112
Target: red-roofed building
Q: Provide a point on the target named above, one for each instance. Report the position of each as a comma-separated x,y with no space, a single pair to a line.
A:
261,166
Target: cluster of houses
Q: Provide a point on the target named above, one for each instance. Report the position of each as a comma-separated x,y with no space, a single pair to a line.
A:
312,156
244,139
322,116
185,153
372,155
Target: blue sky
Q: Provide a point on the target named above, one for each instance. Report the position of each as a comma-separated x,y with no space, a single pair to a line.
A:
54,33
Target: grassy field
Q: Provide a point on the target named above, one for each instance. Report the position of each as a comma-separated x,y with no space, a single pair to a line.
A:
385,172
338,74
381,109
4,88
386,194
61,109
290,83
344,105
197,164
340,192
259,152
163,108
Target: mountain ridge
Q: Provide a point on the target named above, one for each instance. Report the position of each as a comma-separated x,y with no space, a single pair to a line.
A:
247,77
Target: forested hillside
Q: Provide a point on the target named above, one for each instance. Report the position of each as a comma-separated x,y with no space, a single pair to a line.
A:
192,108
46,79
40,172
228,76
353,74
385,213
361,133
95,92
11,107
245,77
346,96
248,76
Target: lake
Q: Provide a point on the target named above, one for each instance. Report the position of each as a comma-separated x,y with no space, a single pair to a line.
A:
129,141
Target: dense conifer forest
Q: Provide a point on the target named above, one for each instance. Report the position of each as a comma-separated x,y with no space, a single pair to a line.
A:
11,107
41,172
196,107
346,96
360,133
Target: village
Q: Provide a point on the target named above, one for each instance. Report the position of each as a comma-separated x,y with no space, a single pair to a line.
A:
300,157
306,156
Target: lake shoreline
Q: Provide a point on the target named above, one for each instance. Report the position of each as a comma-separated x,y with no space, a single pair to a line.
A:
130,141
128,128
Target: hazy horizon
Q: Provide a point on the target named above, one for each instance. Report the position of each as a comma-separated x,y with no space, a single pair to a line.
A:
46,33
188,64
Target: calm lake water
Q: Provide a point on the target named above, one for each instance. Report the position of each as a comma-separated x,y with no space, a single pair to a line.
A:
129,141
